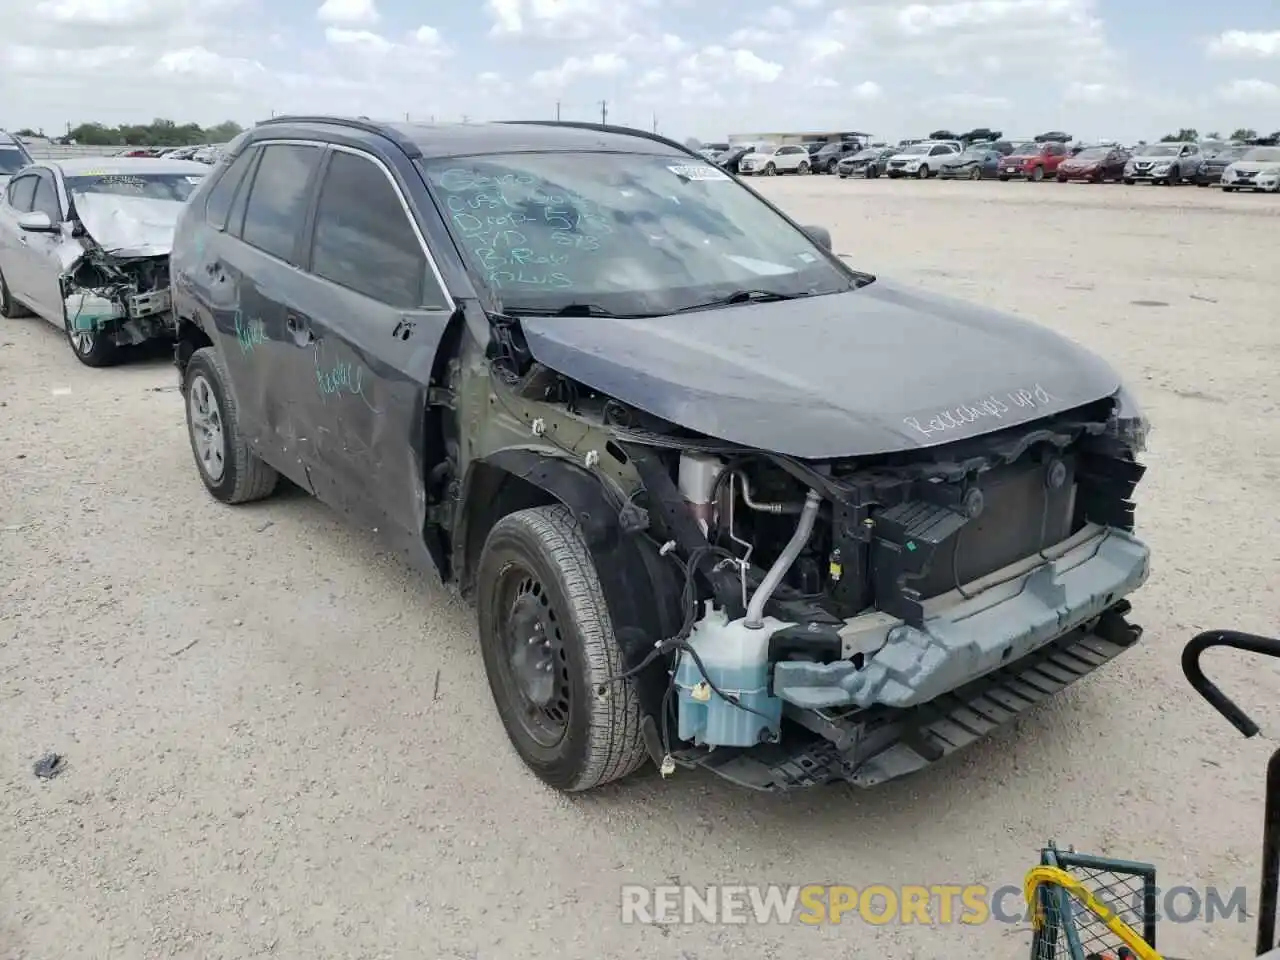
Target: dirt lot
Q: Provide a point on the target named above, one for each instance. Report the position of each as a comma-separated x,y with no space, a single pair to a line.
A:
280,741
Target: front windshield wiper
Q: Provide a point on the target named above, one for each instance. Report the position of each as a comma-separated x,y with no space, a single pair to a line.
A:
744,296
568,310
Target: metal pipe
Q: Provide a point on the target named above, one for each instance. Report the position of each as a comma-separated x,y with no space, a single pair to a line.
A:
804,528
764,507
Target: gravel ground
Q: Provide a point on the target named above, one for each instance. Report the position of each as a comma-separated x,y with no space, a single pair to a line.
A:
280,741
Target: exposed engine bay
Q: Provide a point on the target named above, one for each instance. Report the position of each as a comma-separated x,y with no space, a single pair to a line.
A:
124,298
859,619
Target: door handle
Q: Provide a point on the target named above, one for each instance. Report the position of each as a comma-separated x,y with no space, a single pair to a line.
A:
300,329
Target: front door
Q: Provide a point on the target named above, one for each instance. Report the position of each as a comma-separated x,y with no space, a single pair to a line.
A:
366,329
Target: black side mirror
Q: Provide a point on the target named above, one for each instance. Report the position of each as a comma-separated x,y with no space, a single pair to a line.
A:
819,235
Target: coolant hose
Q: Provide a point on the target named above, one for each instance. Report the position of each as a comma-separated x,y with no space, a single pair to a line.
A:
804,528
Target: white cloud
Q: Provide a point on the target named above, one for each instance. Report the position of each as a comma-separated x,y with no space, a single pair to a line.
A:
1251,91
1079,92
564,20
970,101
342,37
868,90
1245,44
348,11
575,68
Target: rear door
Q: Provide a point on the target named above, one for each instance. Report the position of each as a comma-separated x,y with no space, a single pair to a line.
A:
251,270
20,192
371,318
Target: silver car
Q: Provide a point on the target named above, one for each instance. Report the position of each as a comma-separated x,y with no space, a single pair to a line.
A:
1167,163
13,157
1259,169
84,243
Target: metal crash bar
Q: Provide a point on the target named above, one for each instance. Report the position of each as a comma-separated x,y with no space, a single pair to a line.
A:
1267,646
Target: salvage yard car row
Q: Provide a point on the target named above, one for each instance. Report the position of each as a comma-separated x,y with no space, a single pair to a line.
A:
1231,166
834,575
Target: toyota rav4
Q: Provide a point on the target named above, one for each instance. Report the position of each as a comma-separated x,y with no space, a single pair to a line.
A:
720,499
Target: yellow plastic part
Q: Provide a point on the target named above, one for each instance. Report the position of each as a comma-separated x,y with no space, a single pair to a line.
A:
1038,876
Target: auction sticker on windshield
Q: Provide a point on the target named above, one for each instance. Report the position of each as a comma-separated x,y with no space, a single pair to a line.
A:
697,172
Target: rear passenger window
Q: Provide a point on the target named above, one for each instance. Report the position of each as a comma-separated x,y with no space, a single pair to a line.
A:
219,203
278,198
22,191
364,240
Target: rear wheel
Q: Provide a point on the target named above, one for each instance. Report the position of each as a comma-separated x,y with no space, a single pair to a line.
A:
1004,178
1228,189
1129,180
10,308
831,166
550,652
1062,178
871,172
230,471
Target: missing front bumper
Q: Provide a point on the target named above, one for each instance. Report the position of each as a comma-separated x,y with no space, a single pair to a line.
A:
867,748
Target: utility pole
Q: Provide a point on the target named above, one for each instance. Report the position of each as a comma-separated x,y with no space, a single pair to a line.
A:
557,111
655,121
465,118
604,112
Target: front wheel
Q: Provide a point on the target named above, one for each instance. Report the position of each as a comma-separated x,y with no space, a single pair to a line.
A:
770,170
831,167
1129,180
803,168
93,348
975,173
1037,174
1004,178
550,653
871,172
230,471
1062,178
923,172
1228,189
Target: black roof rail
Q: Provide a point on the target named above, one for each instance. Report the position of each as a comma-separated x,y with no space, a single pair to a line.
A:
607,128
411,149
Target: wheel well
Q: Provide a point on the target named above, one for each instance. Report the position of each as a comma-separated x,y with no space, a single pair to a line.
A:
190,339
491,493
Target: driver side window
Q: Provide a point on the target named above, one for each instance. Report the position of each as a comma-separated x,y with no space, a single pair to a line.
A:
46,198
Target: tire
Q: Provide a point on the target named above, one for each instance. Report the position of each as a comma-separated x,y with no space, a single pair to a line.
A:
1202,183
871,172
1228,189
843,176
1129,181
803,168
1037,174
1062,178
10,308
91,349
536,579
770,170
975,173
923,172
243,477
831,166
1004,179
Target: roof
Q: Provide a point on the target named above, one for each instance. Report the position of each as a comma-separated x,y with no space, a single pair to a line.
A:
7,140
86,166
437,140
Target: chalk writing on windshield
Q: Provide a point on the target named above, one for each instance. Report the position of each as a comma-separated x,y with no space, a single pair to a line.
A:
992,407
523,231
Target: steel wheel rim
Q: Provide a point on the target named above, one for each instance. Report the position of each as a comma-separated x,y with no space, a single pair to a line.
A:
532,658
207,428
82,342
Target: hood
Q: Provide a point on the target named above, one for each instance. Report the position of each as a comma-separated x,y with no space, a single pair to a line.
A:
129,226
879,370
960,159
1138,159
910,156
1254,166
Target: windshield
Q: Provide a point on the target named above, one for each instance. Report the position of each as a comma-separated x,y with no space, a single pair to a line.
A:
867,154
1024,148
1159,150
917,150
978,148
631,233
1093,153
11,161
1230,153
152,186
1265,154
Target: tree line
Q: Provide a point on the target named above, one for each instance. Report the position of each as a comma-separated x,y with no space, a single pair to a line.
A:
157,133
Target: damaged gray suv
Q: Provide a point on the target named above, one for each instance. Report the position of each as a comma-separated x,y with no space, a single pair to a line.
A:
720,500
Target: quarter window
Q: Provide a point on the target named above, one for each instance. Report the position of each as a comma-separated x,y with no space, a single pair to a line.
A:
278,198
364,240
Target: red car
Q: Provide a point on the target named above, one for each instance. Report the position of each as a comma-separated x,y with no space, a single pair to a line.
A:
1032,161
1095,164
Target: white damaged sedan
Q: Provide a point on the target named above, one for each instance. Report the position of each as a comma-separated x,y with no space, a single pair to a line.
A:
85,242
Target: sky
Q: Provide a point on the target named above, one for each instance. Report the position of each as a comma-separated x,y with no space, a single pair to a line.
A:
1125,69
